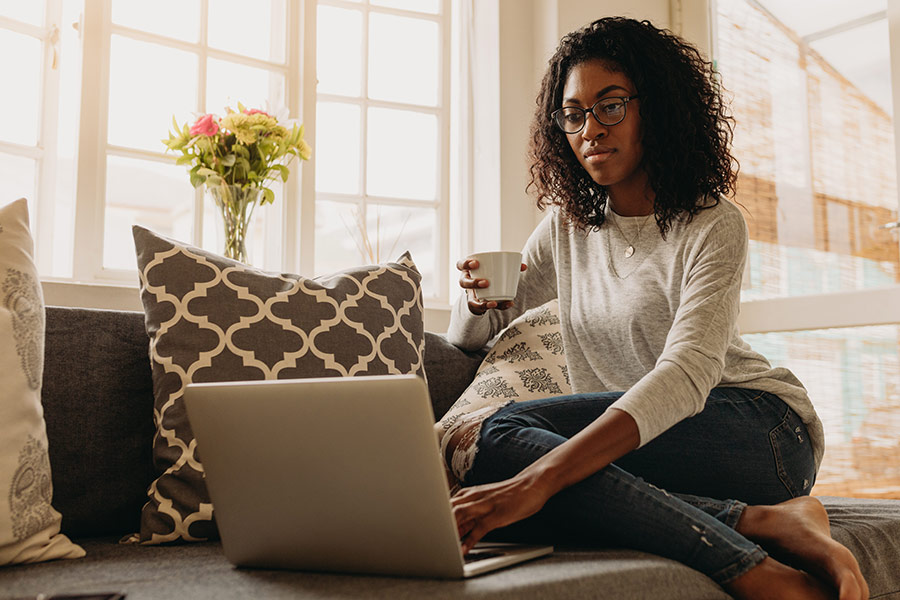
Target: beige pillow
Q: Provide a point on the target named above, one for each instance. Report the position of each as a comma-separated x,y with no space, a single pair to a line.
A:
29,526
526,363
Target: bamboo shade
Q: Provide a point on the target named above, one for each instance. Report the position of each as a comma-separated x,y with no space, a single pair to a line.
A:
817,180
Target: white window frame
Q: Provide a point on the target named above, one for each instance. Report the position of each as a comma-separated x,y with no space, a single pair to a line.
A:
93,285
44,151
362,199
96,30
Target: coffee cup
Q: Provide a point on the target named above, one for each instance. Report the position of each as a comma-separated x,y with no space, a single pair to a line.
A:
501,269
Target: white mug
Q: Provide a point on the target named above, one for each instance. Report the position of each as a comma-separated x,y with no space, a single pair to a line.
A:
501,269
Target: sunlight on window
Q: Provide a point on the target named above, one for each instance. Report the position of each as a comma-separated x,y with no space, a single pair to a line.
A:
152,194
179,19
402,154
396,73
20,70
229,83
16,178
337,148
148,84
426,6
339,51
31,12
257,29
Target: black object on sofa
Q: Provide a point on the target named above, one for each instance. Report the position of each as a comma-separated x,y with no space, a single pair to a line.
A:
98,404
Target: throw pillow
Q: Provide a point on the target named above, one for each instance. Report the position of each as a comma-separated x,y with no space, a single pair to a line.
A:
210,318
29,526
526,363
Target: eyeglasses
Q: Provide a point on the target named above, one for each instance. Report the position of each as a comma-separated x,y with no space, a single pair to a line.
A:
608,111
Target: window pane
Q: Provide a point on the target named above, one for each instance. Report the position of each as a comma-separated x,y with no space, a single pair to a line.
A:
853,379
173,18
402,154
426,6
148,83
339,51
151,194
815,140
393,230
337,237
20,101
229,83
258,29
404,59
16,179
28,12
337,148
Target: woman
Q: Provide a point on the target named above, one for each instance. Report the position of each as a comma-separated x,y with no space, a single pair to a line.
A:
630,147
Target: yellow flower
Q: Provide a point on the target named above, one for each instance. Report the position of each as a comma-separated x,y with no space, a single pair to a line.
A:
241,126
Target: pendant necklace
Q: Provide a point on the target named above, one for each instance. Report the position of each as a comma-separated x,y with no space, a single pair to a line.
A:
629,249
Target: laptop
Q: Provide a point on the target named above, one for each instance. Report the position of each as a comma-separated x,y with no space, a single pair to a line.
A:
338,474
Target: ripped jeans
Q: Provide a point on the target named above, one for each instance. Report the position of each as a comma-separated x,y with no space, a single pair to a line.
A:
669,496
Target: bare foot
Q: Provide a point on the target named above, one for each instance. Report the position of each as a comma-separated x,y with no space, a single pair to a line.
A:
798,530
771,580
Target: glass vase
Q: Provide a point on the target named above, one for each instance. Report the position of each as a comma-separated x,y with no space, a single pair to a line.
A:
235,204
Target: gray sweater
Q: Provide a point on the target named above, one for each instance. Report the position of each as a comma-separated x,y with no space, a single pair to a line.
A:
660,325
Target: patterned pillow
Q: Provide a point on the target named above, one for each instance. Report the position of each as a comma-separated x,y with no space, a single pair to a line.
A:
29,526
213,319
526,363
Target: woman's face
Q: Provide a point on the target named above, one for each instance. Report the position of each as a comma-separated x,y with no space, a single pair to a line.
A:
610,154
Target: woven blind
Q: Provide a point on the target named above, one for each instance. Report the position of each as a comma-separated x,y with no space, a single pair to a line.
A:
817,181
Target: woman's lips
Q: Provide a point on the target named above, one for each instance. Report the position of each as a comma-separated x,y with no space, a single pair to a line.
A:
596,154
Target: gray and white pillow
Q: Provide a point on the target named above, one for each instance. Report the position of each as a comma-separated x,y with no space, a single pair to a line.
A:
210,318
29,526
526,363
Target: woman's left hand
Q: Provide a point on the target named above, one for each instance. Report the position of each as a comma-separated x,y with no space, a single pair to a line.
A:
483,508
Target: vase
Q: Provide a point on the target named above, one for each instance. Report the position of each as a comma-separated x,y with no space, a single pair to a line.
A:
235,204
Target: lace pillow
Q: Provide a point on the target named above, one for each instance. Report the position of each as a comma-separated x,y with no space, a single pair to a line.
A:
526,363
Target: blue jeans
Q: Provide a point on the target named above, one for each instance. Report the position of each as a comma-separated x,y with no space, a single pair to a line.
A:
669,497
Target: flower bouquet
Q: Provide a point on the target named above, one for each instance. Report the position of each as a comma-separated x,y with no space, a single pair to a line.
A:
237,157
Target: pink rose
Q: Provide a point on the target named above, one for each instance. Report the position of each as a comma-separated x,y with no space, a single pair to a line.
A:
256,111
205,125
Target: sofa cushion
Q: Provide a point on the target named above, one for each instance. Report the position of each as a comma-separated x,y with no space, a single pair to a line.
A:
214,319
526,363
29,526
870,528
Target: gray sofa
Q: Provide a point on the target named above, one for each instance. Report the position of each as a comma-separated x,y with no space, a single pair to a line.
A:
98,404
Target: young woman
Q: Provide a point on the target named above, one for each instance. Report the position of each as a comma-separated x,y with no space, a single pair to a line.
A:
674,412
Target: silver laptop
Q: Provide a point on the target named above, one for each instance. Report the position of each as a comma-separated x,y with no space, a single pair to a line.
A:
335,474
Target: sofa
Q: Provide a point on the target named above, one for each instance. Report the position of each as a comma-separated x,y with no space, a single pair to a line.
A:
98,405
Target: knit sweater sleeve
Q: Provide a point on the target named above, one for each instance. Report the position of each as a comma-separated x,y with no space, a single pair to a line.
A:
537,285
693,359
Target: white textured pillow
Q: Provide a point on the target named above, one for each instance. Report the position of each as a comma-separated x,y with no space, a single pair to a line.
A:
29,526
526,363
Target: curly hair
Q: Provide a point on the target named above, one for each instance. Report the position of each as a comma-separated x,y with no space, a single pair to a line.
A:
686,126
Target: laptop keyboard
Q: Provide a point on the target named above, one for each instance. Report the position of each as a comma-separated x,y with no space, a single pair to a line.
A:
485,554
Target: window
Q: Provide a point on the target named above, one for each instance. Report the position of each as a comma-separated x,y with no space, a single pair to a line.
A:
99,82
815,139
382,128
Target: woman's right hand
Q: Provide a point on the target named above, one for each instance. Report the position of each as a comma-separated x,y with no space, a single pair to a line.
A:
471,285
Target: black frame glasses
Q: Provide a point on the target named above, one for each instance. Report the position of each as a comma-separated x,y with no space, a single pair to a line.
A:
561,116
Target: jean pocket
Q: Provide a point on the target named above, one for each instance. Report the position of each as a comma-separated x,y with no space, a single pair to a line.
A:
793,455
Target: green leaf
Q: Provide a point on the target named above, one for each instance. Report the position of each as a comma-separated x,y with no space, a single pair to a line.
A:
183,160
206,172
228,160
285,172
197,180
268,196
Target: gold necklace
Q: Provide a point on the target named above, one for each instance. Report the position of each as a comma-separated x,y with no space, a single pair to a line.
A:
629,250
